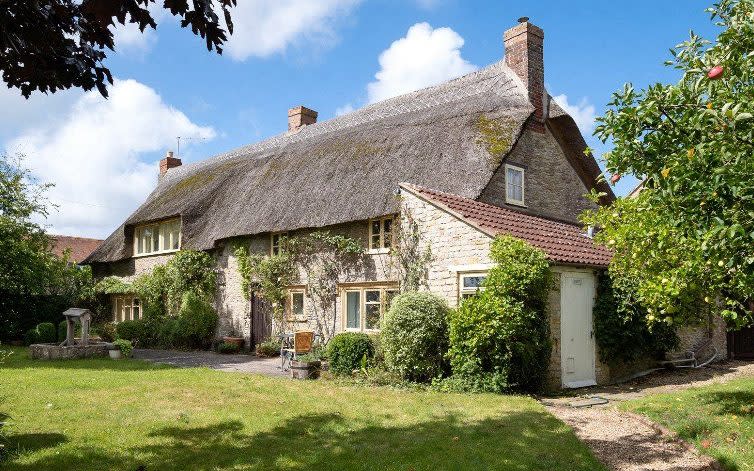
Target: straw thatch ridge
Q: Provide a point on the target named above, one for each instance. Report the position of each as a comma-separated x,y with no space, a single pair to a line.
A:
341,170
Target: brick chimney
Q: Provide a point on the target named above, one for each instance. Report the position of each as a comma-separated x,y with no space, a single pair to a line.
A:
524,54
168,162
299,117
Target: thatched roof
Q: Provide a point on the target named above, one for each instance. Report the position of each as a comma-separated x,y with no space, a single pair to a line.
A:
340,170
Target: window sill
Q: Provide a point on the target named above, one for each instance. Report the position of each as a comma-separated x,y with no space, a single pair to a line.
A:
378,251
152,254
520,204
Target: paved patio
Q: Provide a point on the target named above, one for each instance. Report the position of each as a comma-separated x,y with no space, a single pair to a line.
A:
216,361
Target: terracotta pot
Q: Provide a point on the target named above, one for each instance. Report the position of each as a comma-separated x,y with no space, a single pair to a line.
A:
305,370
238,341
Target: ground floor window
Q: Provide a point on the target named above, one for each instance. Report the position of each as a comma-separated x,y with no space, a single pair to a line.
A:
470,284
364,307
295,305
126,307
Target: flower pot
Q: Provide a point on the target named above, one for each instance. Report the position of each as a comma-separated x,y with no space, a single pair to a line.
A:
305,370
238,341
116,354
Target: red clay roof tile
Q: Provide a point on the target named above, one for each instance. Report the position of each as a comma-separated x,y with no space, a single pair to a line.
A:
80,247
562,242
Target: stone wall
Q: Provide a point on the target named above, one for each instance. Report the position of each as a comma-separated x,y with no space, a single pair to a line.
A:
552,188
456,246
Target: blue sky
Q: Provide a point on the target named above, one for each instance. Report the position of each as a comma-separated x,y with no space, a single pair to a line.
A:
329,55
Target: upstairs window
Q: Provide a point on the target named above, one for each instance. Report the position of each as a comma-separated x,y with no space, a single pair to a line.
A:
381,234
159,237
514,185
276,242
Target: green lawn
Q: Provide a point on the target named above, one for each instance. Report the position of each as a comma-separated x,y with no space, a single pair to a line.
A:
718,419
120,415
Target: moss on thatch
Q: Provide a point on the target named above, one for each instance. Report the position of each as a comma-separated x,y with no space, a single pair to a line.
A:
496,135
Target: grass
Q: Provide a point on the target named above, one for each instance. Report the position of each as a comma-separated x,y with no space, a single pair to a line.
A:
718,419
105,414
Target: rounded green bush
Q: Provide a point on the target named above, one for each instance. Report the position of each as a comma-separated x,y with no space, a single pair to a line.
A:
347,352
415,336
47,332
31,336
129,330
62,330
197,322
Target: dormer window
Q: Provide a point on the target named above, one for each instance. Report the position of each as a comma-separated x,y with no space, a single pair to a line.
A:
514,185
381,234
159,237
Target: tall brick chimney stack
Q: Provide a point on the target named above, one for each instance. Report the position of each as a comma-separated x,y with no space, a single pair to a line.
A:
299,117
168,162
524,54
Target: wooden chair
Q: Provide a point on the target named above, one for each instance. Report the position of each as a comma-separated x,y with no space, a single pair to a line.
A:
302,343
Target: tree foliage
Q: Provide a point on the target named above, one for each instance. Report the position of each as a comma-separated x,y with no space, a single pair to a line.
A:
500,338
50,45
689,237
35,285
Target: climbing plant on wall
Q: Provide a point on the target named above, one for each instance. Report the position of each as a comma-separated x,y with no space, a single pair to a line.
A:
410,254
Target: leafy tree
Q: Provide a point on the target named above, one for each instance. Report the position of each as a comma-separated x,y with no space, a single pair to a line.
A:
50,45
688,239
35,285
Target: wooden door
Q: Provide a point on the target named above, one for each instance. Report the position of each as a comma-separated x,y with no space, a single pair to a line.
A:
741,343
261,320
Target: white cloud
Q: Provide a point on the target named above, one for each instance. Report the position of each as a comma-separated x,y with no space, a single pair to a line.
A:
102,155
129,39
424,57
582,112
265,27
345,109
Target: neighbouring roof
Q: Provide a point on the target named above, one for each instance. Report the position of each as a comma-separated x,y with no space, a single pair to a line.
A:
80,247
563,242
344,169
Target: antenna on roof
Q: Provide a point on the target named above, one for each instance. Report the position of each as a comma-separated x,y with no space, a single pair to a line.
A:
178,139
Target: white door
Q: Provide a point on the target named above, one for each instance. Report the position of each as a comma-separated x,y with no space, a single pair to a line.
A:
576,329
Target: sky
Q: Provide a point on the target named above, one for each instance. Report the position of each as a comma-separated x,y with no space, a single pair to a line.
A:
333,56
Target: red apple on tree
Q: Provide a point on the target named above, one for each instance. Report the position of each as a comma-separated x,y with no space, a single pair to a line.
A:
715,72
615,178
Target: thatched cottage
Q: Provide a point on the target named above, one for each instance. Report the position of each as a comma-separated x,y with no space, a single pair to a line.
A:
488,153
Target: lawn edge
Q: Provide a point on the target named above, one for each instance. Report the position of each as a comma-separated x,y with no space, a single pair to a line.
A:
665,432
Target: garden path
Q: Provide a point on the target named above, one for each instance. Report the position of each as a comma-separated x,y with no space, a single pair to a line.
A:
216,361
628,442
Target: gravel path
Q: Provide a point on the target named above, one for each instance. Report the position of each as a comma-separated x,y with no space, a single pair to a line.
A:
216,361
628,442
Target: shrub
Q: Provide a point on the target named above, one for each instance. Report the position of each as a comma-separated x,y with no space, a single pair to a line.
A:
347,351
31,336
47,332
499,338
415,336
62,330
226,347
621,329
130,330
268,348
167,333
197,322
125,347
107,331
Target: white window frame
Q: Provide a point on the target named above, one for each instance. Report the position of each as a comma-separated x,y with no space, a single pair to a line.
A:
384,244
463,291
383,289
522,201
289,308
126,301
161,229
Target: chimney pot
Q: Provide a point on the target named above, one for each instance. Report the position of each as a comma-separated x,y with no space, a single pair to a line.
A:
299,117
524,54
168,162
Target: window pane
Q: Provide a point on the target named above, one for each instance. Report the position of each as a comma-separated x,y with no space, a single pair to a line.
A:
473,281
175,235
118,309
353,309
297,302
389,296
155,240
164,237
126,312
375,243
372,315
387,226
514,186
373,296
